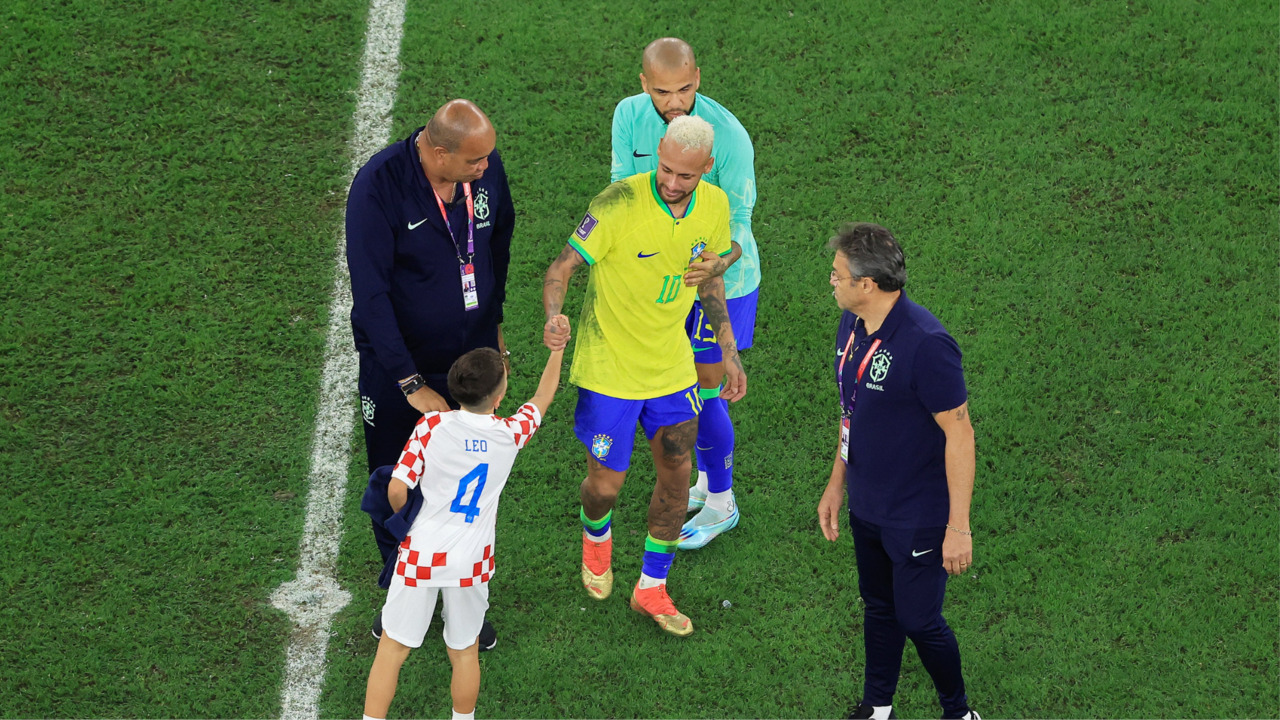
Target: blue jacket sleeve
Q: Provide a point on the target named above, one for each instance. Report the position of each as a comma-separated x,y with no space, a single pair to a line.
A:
370,255
623,165
389,527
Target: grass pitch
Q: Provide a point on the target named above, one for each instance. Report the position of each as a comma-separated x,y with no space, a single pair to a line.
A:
1087,197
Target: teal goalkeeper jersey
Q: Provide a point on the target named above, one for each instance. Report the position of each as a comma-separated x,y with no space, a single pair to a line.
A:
637,128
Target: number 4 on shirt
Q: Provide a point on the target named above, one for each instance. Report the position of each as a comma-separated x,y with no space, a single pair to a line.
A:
480,474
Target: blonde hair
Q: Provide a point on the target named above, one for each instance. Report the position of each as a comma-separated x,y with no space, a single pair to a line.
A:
691,133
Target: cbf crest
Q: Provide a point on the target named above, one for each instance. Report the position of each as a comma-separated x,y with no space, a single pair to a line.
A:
482,204
600,445
880,365
697,249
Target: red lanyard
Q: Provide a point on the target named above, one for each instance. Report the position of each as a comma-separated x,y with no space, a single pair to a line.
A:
471,223
853,396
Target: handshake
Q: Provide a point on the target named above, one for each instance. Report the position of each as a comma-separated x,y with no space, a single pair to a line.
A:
555,334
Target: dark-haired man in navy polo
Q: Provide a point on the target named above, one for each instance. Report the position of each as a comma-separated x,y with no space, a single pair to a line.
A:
429,225
906,462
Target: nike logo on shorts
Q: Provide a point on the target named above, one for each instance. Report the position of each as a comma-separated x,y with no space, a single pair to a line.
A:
918,554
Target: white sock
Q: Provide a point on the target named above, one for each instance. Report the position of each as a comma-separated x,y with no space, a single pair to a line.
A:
701,487
721,501
881,712
647,582
366,717
464,716
607,534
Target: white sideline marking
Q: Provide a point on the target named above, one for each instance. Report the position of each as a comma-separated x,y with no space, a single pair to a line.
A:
314,597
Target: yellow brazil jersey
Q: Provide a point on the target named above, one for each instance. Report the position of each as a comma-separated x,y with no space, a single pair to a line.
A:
631,341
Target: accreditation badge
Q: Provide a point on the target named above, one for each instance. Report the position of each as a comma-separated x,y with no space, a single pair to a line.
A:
844,439
470,298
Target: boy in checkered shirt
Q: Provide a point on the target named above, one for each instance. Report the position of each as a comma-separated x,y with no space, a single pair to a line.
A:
461,459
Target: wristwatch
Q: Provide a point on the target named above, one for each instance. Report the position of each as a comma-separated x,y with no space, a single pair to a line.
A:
412,385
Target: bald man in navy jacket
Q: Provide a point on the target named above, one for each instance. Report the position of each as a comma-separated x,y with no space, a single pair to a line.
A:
429,226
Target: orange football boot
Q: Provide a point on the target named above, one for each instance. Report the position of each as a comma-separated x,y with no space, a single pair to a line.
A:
656,603
597,575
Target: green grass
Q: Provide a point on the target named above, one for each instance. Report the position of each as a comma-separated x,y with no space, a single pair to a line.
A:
1087,194
172,178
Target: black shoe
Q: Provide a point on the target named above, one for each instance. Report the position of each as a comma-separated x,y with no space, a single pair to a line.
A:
865,711
488,636
377,626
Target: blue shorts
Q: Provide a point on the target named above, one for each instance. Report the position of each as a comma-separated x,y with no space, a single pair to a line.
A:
607,425
742,316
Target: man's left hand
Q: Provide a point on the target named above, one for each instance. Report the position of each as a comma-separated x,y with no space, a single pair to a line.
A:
957,552
705,267
735,380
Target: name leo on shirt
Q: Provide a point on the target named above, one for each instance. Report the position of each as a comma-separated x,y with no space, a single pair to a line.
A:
476,446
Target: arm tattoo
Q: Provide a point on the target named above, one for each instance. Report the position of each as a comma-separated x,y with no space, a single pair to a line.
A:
961,413
552,296
569,256
553,284
717,311
737,361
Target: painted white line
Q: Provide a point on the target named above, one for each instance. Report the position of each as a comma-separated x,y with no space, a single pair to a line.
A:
313,597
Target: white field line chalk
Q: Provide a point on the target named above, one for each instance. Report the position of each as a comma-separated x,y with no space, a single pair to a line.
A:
314,597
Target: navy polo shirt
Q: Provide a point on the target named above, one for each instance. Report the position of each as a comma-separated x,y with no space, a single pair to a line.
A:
407,305
896,475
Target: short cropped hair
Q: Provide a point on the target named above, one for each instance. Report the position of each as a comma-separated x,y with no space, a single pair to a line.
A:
476,376
691,133
442,134
873,252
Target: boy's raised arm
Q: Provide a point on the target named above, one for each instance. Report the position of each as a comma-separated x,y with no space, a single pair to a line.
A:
549,382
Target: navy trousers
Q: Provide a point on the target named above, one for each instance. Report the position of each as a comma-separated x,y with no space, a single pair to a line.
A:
388,417
902,583
388,421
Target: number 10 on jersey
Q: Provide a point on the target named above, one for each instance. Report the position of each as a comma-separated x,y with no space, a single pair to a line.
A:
471,510
670,288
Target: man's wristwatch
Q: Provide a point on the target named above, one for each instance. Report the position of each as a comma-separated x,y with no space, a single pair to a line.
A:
412,385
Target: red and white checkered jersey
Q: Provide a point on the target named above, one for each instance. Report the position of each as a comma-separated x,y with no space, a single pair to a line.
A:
462,461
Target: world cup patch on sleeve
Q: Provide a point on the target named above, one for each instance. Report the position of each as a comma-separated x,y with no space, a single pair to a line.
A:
588,224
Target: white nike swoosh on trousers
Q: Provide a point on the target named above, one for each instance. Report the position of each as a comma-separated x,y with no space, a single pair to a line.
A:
918,554
414,225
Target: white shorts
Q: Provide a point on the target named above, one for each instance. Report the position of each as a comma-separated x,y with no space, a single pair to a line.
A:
408,610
